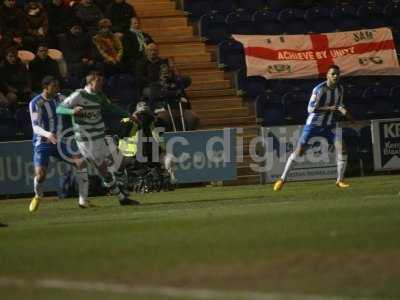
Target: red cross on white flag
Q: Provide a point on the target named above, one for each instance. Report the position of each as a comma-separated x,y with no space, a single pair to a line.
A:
362,52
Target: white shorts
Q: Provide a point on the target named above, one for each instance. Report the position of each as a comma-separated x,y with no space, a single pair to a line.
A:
100,150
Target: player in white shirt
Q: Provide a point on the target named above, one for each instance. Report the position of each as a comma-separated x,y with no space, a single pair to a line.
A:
86,107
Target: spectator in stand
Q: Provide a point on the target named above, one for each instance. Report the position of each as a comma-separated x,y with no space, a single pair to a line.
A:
120,14
5,43
134,42
108,49
76,47
15,79
36,25
149,66
13,21
159,81
41,67
102,4
89,14
60,18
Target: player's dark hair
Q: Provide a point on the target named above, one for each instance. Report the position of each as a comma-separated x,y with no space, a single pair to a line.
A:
336,67
92,76
47,80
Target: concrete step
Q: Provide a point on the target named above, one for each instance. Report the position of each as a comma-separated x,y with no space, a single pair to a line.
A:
199,105
187,47
147,2
210,85
188,58
222,113
180,49
243,180
156,5
217,102
210,93
158,13
218,123
250,130
168,31
197,66
162,23
205,74
177,39
246,170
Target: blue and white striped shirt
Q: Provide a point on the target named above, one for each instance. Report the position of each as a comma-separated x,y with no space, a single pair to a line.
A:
323,96
44,118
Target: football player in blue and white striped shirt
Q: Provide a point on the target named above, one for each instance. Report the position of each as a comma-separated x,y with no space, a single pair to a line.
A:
326,104
47,128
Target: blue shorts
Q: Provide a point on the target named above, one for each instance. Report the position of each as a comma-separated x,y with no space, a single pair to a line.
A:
317,132
42,153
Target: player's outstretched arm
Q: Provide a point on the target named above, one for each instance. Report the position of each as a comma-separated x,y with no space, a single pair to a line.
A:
114,109
63,110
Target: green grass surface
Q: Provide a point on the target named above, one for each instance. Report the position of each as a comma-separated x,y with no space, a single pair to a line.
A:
309,239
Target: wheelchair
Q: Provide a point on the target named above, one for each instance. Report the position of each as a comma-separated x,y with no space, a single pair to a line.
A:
148,178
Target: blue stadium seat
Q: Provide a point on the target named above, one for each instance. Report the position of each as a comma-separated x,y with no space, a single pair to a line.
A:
266,22
8,126
294,21
223,6
276,5
239,78
254,86
230,55
212,26
239,22
378,103
345,18
269,110
251,5
197,8
296,106
351,139
392,11
365,149
319,20
354,101
395,97
371,16
23,120
389,81
396,37
366,139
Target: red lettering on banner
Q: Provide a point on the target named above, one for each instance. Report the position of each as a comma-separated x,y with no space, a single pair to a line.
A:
320,52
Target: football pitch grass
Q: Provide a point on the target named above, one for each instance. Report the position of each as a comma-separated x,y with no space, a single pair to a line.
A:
310,241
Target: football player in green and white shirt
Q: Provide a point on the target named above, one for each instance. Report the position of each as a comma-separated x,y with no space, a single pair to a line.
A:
86,106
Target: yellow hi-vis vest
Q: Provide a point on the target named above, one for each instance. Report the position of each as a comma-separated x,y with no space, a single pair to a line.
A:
128,145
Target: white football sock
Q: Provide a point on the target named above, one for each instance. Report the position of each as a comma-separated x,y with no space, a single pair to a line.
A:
37,187
83,185
341,161
289,163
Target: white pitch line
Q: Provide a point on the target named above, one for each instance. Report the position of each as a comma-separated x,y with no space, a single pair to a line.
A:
184,293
